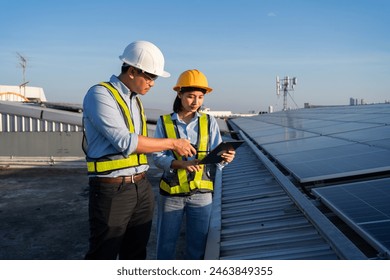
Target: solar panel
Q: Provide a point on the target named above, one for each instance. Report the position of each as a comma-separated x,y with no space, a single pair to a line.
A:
332,143
302,145
365,206
285,134
379,118
369,135
335,162
325,143
342,127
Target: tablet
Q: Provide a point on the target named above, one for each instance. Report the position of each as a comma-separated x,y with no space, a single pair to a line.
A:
215,155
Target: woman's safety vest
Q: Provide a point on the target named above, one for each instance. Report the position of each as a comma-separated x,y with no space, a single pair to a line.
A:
188,182
109,163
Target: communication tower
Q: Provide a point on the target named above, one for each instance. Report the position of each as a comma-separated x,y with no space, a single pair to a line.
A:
285,85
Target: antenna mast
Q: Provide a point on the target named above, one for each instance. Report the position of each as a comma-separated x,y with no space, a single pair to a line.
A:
285,85
23,64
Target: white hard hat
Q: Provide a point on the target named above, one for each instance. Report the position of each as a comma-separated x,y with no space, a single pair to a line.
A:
145,56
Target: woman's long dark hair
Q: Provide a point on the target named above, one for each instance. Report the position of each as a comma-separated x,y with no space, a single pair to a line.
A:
177,107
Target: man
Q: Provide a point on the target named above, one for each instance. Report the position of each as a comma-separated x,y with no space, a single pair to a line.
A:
121,199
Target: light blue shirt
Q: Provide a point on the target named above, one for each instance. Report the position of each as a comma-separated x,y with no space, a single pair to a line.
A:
105,127
188,131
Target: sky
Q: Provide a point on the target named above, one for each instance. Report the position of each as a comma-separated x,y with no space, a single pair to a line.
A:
337,49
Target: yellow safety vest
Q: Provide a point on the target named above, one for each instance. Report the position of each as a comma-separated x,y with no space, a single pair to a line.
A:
105,164
185,182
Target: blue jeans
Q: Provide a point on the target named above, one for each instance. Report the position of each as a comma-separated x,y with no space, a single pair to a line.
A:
171,210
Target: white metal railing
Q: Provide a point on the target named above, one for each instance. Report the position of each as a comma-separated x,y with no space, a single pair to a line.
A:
14,123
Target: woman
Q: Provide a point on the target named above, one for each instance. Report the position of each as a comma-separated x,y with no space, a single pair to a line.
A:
186,186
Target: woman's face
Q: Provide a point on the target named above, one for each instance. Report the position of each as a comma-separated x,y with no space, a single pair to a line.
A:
191,101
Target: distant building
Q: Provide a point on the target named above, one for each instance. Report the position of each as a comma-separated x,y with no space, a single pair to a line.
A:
228,114
21,93
356,101
217,114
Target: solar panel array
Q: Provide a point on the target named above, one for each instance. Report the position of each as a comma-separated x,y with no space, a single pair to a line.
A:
325,143
331,145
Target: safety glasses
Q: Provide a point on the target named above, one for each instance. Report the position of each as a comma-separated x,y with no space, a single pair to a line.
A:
149,77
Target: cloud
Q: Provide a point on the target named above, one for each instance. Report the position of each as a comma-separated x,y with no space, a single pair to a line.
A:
271,14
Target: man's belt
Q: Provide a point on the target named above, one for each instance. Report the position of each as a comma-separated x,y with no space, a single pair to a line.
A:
123,179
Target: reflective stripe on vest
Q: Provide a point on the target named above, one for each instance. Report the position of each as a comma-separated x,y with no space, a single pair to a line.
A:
200,180
107,165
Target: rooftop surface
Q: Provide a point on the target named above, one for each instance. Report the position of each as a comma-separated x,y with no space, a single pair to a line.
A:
44,213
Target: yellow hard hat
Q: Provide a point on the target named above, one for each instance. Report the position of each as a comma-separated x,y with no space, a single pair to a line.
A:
192,78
